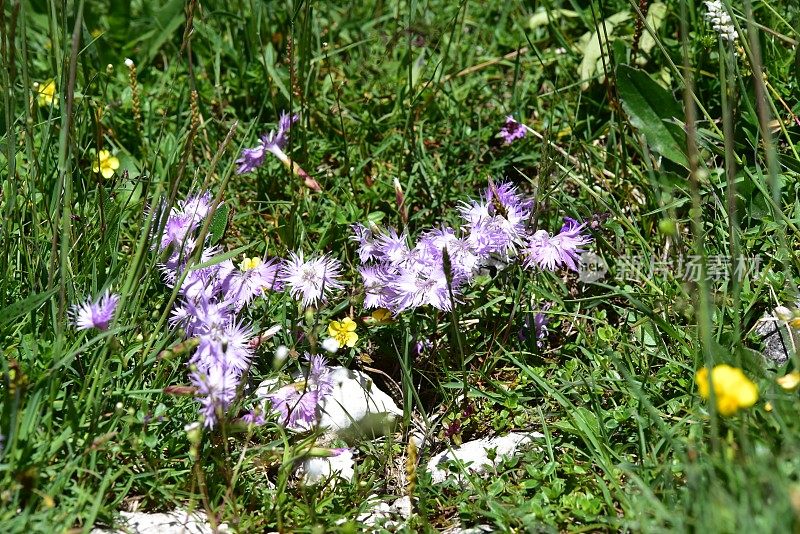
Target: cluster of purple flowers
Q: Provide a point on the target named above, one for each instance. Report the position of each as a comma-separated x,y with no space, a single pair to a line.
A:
512,130
399,275
211,297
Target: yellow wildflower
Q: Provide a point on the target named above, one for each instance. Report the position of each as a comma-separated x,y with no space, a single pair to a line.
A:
46,93
382,316
249,263
105,164
732,389
344,332
789,382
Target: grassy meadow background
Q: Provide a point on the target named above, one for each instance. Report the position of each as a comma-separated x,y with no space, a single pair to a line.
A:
675,145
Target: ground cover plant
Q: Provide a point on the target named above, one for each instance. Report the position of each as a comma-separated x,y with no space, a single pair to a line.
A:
574,220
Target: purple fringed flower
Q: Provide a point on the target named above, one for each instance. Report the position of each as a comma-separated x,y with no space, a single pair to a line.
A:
245,285
197,207
201,316
423,287
497,223
97,314
227,346
298,403
251,159
376,290
254,417
392,247
272,142
216,388
367,248
399,274
182,220
550,252
310,280
512,130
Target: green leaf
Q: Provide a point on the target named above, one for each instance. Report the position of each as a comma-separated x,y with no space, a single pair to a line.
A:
18,309
595,47
656,14
543,17
652,110
219,223
168,18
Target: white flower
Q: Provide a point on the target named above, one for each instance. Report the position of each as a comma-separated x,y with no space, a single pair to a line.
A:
720,20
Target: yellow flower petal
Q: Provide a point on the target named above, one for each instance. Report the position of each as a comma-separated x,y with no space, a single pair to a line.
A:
702,382
350,339
250,263
113,163
45,93
732,389
334,328
382,315
107,172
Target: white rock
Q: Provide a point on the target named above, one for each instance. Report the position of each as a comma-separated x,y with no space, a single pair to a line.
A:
475,455
319,469
175,522
402,507
479,529
378,512
357,406
382,514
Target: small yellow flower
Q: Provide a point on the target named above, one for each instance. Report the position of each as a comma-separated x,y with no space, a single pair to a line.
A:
46,93
768,406
732,389
249,263
382,316
344,332
789,382
105,164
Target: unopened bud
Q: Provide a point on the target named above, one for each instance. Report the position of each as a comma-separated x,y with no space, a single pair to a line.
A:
400,198
193,432
281,353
